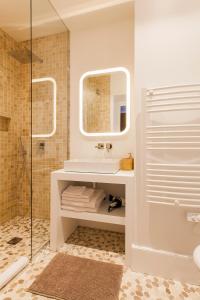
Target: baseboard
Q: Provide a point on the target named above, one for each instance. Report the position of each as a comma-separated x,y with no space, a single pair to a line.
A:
165,264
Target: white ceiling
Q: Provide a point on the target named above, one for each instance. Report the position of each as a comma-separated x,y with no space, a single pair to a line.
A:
71,8
15,19
99,17
75,14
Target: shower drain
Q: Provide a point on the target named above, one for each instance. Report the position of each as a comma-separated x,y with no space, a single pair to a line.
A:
14,241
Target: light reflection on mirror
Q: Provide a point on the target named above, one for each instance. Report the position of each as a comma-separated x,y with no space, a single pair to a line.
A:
105,102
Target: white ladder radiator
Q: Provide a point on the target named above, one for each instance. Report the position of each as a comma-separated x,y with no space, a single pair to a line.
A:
172,145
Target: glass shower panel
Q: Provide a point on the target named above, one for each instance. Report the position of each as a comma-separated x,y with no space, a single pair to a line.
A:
50,103
15,131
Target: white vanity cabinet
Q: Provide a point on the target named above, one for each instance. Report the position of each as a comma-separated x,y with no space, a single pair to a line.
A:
64,222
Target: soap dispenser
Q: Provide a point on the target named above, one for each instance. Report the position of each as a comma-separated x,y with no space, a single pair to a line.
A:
127,164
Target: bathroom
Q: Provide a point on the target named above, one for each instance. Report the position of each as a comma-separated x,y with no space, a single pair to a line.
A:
60,61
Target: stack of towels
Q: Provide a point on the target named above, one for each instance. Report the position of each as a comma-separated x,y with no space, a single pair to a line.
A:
81,198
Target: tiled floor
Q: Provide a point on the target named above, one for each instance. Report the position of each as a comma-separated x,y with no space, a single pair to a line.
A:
21,227
98,239
85,242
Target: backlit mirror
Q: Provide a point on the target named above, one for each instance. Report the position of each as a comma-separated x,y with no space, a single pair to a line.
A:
105,102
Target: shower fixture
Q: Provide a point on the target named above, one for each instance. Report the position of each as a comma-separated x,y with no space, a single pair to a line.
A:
24,154
98,92
25,56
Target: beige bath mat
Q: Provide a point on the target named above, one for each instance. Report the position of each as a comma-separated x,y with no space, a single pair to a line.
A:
73,278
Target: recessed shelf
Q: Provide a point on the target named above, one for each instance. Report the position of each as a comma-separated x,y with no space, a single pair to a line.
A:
4,115
4,122
117,216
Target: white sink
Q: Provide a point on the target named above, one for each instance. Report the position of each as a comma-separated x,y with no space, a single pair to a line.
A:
104,166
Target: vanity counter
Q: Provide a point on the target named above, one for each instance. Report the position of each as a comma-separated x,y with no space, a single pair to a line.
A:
64,222
119,177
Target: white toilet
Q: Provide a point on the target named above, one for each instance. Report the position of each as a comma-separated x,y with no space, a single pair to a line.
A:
196,256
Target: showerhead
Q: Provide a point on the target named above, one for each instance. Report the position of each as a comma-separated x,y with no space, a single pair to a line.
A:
25,56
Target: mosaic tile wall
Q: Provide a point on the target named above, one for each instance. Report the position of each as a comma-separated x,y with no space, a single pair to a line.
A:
23,115
53,50
12,125
15,116
42,99
97,104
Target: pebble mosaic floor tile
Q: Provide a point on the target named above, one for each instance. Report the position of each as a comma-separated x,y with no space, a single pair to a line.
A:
21,227
135,286
98,239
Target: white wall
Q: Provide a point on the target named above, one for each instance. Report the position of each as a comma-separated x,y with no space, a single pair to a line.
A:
167,52
104,45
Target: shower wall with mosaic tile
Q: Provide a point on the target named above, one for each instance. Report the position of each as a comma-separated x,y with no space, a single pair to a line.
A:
15,124
97,104
49,153
14,95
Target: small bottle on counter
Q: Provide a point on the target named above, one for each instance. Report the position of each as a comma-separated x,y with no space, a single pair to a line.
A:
127,164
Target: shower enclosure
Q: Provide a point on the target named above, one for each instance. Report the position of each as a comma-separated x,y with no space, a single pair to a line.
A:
34,121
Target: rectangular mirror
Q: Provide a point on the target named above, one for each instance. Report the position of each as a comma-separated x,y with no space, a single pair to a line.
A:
105,102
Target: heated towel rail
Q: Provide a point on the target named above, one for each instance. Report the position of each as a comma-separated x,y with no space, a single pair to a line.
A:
172,145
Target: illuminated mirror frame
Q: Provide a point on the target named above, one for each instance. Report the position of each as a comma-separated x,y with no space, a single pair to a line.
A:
52,80
128,101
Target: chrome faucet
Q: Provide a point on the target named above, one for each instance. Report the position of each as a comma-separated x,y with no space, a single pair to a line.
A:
108,146
100,146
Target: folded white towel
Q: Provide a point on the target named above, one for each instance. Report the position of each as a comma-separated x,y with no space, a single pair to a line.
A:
75,199
75,190
79,209
85,193
84,209
92,203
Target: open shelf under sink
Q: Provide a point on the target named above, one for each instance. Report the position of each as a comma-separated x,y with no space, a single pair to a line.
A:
117,216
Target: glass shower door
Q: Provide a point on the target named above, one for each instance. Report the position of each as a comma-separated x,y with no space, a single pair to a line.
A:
49,111
15,131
